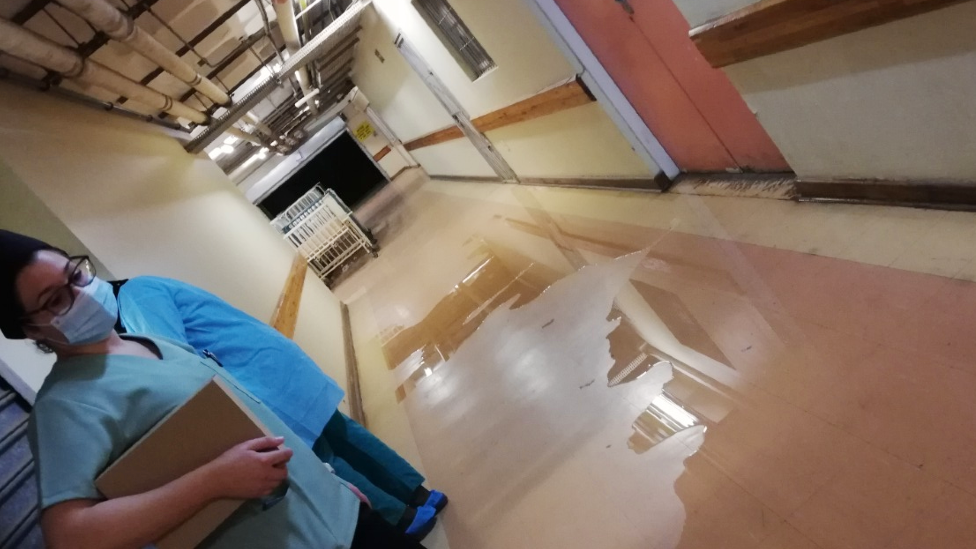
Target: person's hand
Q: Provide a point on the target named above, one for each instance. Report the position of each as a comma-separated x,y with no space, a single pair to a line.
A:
250,470
362,497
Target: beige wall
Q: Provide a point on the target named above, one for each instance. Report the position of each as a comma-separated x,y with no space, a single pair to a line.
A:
528,62
895,101
529,146
144,206
457,157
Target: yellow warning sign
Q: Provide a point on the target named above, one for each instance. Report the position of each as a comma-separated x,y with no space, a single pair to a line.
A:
364,131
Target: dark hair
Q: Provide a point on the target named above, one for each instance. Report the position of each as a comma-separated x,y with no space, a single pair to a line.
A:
16,252
17,302
21,310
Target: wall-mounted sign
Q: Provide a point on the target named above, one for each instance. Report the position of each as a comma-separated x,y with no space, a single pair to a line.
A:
364,131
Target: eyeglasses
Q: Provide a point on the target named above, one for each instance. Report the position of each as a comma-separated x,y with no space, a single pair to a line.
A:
80,272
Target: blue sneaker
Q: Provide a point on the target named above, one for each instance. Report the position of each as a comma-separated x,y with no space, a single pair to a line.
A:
437,500
423,522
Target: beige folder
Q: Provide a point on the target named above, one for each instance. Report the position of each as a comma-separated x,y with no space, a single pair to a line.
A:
208,424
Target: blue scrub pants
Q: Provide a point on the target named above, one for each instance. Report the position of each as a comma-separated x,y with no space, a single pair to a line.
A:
363,460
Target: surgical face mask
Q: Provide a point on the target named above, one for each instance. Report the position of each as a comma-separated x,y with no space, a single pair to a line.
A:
92,317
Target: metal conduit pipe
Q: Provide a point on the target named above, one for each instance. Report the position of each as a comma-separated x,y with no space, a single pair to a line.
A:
27,45
267,29
322,42
119,26
289,32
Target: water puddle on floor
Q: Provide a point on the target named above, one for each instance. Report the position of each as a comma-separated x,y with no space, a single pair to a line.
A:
504,286
416,351
556,360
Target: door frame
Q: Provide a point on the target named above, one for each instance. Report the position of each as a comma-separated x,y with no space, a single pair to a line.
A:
454,108
608,95
362,147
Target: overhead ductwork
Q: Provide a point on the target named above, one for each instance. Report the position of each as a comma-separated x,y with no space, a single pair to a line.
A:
288,24
323,42
117,25
26,45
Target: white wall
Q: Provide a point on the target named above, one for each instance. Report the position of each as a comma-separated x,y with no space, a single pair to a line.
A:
143,206
895,101
528,62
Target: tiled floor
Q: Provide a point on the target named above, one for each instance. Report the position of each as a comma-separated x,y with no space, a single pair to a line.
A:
621,370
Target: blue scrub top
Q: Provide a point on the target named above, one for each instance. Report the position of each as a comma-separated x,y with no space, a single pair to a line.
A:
265,362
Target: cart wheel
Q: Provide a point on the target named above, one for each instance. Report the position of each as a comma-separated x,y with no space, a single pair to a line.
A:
375,253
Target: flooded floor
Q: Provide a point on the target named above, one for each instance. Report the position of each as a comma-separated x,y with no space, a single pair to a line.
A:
603,369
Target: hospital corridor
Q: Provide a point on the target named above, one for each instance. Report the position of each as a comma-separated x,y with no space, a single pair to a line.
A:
459,274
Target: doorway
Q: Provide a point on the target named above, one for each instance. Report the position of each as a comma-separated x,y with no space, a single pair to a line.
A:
694,111
341,166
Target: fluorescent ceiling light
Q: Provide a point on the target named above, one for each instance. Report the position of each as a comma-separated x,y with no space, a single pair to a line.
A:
231,140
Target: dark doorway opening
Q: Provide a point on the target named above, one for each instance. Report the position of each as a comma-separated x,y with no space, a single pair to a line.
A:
341,166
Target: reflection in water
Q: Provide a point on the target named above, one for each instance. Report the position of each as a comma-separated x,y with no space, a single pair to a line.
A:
633,356
515,411
662,418
421,348
680,321
687,399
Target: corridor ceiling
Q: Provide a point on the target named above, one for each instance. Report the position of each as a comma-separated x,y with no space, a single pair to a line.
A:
224,40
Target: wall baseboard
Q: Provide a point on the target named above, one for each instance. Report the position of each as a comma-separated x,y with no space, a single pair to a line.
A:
467,178
939,195
657,184
943,195
354,394
558,98
779,186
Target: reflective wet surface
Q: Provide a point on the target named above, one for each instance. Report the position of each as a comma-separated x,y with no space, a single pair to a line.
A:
599,369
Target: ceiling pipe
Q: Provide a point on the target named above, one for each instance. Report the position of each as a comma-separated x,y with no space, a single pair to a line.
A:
293,43
21,67
239,133
40,86
306,99
20,42
324,41
119,26
253,120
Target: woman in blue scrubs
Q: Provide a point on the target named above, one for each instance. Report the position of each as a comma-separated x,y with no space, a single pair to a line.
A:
106,391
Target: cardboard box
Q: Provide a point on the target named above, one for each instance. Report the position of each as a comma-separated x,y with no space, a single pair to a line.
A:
211,422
